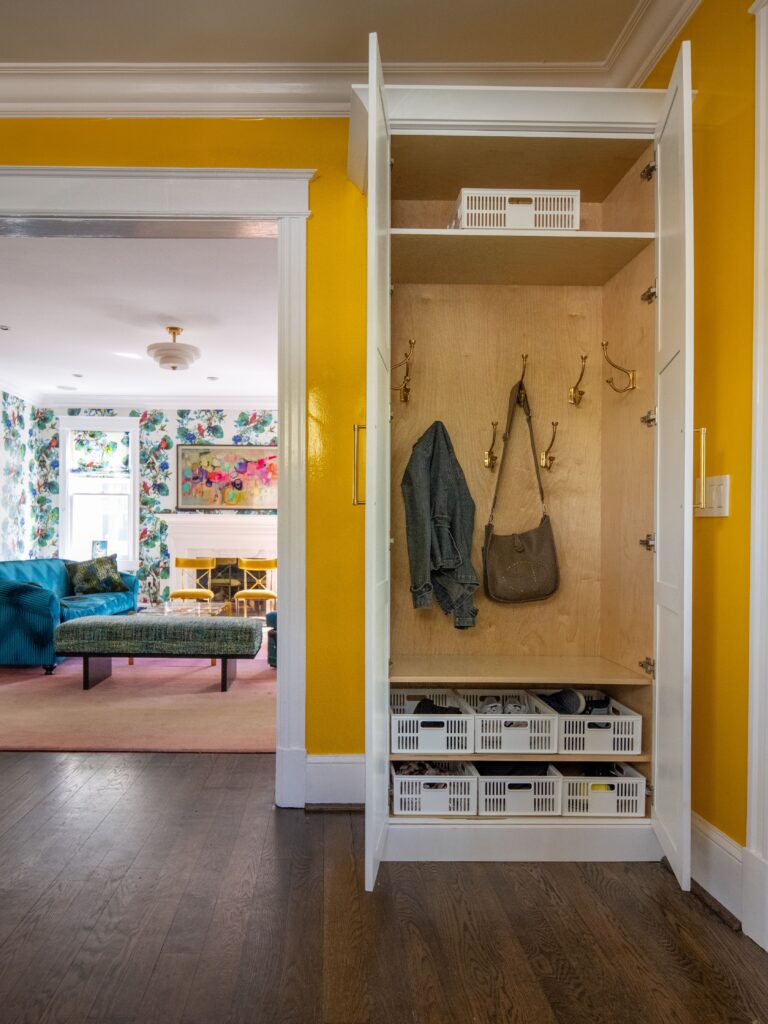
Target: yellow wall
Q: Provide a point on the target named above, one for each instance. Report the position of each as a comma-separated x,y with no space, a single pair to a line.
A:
722,39
335,355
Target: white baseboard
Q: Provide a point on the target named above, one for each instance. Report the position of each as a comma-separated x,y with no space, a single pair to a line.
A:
716,864
335,779
754,920
488,840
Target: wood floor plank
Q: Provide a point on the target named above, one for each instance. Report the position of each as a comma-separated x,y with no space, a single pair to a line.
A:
345,981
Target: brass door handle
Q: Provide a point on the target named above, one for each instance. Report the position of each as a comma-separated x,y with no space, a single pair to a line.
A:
702,502
356,428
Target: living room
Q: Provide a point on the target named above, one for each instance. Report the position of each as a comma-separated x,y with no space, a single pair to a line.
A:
139,485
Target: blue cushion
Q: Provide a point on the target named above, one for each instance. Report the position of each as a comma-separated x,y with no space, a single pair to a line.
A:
77,606
50,573
272,619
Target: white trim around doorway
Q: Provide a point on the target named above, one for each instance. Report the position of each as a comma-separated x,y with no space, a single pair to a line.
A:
211,202
755,855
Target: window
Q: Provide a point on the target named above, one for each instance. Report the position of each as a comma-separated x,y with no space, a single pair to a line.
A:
99,499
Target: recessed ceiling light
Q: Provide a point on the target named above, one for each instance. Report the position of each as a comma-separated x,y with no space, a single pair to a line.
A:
4,327
77,375
65,387
211,378
128,355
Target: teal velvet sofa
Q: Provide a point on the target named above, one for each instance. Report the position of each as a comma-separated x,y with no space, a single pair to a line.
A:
35,596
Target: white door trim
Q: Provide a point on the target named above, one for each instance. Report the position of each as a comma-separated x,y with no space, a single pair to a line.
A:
73,198
755,857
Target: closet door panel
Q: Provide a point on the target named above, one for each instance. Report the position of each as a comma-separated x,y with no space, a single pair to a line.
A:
377,497
674,474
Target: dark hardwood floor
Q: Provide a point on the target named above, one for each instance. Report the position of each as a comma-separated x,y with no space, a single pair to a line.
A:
165,889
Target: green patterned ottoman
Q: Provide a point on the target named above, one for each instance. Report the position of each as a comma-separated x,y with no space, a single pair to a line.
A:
98,638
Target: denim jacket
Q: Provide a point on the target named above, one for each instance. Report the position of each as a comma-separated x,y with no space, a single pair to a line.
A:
439,522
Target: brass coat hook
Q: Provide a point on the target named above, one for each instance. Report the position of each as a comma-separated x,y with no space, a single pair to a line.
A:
631,374
545,459
525,365
404,387
491,458
575,394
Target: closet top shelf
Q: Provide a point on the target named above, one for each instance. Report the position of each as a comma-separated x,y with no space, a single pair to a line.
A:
454,256
503,669
437,166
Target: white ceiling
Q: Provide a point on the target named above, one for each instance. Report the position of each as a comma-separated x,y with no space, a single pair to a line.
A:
85,305
331,31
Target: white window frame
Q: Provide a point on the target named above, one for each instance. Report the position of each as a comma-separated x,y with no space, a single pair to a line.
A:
112,424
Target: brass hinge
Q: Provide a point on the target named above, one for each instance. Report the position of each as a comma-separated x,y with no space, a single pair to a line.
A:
648,171
648,542
391,289
650,418
648,665
392,162
649,294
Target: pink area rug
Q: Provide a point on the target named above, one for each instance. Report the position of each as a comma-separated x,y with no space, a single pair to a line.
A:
157,704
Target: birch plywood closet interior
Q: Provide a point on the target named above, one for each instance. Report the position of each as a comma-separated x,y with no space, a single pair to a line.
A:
476,301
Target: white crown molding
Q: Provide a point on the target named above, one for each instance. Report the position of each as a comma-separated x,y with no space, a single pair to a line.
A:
12,387
309,90
663,22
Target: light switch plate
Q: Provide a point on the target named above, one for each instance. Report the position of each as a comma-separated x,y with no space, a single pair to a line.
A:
718,496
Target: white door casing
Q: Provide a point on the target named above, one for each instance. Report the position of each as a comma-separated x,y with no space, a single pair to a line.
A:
674,473
163,202
377,483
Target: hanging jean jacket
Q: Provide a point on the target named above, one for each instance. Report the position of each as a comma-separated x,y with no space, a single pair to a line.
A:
439,522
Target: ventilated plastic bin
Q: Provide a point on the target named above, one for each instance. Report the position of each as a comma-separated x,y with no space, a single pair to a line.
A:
452,793
618,732
520,794
430,734
499,208
532,733
604,796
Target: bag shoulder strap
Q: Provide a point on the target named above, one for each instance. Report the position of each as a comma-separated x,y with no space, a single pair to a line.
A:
517,396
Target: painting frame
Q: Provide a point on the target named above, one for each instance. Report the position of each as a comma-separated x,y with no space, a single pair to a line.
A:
226,477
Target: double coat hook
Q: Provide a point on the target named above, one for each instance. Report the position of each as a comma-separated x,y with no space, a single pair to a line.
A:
491,458
631,374
404,387
575,394
545,459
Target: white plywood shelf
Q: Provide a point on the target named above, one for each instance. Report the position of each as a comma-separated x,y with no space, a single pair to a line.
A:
509,257
509,670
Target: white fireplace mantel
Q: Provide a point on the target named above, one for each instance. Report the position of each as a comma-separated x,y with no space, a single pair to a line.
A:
220,535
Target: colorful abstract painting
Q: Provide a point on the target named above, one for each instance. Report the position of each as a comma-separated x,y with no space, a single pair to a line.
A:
226,476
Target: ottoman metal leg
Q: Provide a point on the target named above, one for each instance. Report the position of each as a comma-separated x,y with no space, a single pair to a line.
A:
228,672
95,670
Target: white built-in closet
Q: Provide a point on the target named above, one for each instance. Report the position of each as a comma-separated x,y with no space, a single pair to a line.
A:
621,487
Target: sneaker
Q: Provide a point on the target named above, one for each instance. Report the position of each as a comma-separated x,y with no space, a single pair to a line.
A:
566,702
515,706
600,705
490,706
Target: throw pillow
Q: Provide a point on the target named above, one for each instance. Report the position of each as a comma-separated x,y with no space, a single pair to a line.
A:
96,576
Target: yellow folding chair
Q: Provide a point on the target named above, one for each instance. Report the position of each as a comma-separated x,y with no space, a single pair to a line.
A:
259,580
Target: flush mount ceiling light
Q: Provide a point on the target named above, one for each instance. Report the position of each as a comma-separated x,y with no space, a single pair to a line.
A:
173,355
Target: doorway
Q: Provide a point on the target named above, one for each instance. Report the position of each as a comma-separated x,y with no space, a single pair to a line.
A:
215,204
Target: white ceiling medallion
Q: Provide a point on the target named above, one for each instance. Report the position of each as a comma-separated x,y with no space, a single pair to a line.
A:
173,355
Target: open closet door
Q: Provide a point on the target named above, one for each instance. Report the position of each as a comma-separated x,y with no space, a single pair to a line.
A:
377,490
674,473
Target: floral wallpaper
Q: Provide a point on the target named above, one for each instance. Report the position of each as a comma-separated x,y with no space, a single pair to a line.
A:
44,483
30,463
13,485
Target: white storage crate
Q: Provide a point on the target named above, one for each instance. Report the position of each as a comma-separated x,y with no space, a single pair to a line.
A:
451,793
601,796
430,734
520,794
620,731
534,732
499,208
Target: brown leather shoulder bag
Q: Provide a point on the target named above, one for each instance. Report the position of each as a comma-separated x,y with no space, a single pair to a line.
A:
520,567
